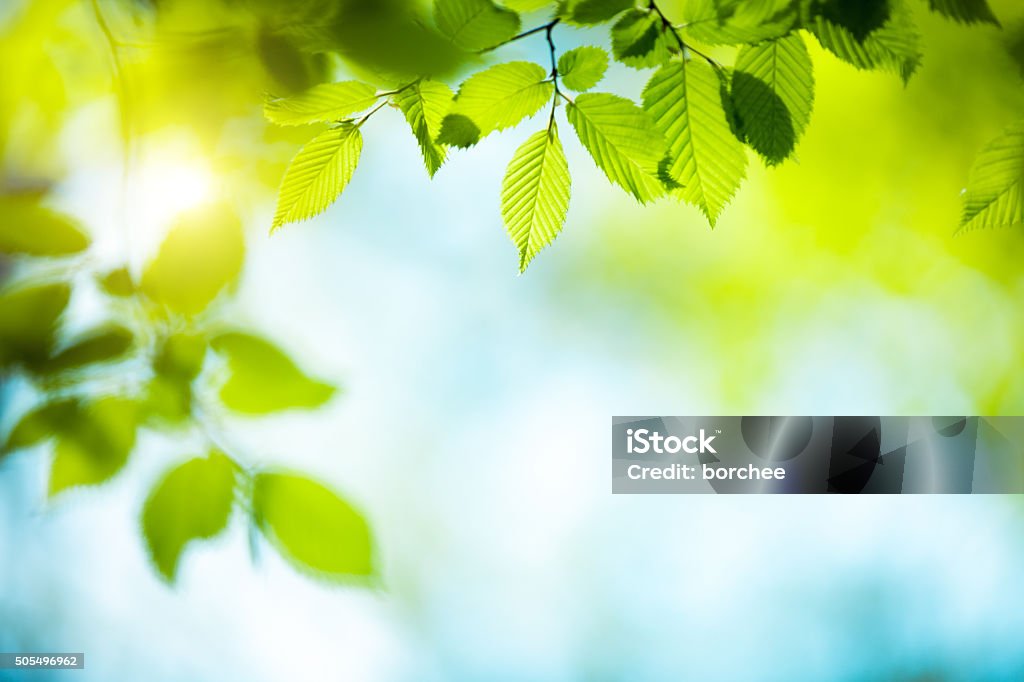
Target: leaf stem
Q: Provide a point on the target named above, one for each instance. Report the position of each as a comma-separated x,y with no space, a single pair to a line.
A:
683,45
525,34
554,69
377,108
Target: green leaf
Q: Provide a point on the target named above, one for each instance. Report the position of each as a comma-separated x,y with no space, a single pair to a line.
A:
118,283
888,39
594,11
965,11
201,256
495,99
318,174
263,379
93,443
321,104
583,68
475,25
100,345
735,22
705,158
528,5
28,229
535,194
623,141
28,322
639,39
312,527
773,91
41,424
192,502
995,191
181,355
425,105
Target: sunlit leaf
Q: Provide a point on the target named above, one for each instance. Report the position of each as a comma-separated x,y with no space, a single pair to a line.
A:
93,444
623,141
425,105
995,191
318,174
321,104
192,502
582,68
263,379
594,11
312,527
773,90
41,424
535,194
706,160
180,355
498,98
32,230
733,22
97,346
201,256
117,282
528,5
475,24
28,322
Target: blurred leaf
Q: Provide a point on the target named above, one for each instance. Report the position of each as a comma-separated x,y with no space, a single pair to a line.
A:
528,5
99,345
458,131
318,174
425,105
32,230
201,256
583,68
499,98
475,25
594,11
321,104
995,192
773,90
181,355
118,283
705,158
312,527
622,140
734,22
263,379
192,502
535,194
40,424
28,322
639,39
93,442
965,11
291,67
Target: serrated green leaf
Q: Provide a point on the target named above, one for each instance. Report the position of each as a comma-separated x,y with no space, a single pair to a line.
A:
995,191
318,174
640,40
28,229
586,12
93,443
475,25
735,22
495,99
535,194
192,502
773,91
263,379
623,141
887,39
582,68
28,322
965,11
312,527
425,104
322,103
705,158
99,345
201,257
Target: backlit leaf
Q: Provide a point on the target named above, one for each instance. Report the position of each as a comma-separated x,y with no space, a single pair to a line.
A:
31,230
321,104
535,194
28,322
594,11
995,191
965,11
425,105
93,444
640,40
100,345
582,68
475,24
733,22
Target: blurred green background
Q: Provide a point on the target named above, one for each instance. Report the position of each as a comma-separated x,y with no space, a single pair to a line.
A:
473,431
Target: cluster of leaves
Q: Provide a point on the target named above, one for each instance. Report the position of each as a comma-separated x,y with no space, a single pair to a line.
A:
687,139
162,364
